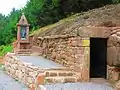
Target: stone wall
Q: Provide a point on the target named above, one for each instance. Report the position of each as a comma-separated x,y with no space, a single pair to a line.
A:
113,57
113,50
33,76
70,51
73,51
117,85
113,73
21,71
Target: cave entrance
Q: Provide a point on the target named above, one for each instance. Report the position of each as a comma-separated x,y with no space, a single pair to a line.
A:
98,57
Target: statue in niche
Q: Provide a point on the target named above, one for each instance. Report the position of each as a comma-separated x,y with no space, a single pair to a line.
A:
23,33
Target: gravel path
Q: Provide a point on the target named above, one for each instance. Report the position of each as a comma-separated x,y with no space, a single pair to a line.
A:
40,62
78,86
8,83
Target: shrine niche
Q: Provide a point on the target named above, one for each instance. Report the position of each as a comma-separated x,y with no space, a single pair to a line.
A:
22,44
23,33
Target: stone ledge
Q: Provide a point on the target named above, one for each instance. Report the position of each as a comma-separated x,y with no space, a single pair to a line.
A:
62,79
55,37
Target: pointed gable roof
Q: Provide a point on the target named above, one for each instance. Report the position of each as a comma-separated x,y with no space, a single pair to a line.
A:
23,20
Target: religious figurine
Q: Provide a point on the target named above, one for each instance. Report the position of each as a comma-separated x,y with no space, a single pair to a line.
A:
23,33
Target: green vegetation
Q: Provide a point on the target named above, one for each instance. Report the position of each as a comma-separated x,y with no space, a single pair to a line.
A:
43,13
5,49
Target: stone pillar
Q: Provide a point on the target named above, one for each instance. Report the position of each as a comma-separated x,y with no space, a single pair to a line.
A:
18,33
81,47
86,62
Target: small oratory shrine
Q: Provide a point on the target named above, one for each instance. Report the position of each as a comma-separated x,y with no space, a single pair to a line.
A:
22,44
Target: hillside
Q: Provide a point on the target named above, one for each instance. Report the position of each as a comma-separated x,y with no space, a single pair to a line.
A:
105,16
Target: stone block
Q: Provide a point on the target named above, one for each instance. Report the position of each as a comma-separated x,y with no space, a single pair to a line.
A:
117,85
53,74
70,74
47,74
113,73
69,79
49,80
62,74
32,87
40,79
30,80
85,75
111,55
20,75
23,70
58,80
86,42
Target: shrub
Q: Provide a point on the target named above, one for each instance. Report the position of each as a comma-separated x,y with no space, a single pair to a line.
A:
5,49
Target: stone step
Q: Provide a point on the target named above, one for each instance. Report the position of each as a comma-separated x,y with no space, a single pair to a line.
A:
55,73
24,53
60,79
21,52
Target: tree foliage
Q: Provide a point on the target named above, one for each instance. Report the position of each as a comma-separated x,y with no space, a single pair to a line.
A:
44,12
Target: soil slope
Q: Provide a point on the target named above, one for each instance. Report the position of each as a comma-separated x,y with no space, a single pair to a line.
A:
105,16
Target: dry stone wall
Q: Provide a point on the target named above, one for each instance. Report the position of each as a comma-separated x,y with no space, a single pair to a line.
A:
21,71
117,85
113,57
34,76
70,51
113,73
114,49
73,51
